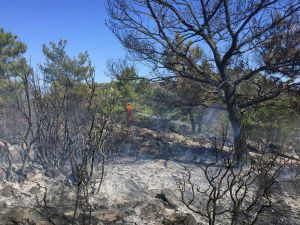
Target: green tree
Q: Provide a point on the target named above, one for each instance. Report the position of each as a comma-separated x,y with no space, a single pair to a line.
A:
127,84
13,66
11,53
62,68
129,88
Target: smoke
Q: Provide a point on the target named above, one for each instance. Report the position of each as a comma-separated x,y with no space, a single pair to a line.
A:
214,122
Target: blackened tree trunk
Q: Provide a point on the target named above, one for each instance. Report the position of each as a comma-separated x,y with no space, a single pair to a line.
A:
193,121
235,118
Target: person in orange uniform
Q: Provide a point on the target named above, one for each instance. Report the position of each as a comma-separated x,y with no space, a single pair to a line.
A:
129,113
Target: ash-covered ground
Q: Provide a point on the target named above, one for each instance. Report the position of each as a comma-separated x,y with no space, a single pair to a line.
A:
138,188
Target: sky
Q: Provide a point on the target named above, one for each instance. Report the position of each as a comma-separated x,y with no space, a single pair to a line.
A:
80,22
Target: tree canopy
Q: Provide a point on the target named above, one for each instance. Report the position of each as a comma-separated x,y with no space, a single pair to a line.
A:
11,53
258,39
62,68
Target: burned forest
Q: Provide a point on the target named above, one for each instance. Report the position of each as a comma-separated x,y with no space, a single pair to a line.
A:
194,119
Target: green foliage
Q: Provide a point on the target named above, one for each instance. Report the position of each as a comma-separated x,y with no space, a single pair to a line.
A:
109,96
129,89
13,67
11,53
127,84
278,118
62,68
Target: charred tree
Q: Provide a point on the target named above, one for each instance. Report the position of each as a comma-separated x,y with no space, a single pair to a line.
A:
242,42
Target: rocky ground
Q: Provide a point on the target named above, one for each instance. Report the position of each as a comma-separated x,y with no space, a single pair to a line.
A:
137,189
